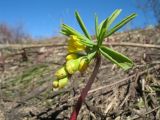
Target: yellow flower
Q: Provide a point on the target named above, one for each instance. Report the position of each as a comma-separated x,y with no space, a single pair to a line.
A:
63,82
72,66
61,73
71,57
74,44
60,83
55,83
84,62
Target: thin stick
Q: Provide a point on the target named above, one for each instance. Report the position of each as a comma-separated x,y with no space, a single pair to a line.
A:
133,45
19,46
122,80
25,46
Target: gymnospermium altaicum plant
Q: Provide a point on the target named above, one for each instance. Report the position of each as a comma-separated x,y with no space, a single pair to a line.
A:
82,50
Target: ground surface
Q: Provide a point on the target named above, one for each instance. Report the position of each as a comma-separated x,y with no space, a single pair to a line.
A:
26,83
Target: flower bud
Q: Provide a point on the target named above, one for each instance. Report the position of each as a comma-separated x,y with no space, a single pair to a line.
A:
72,66
55,83
61,73
63,82
71,57
84,62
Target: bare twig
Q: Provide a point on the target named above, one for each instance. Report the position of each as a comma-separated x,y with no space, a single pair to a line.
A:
20,46
133,45
141,73
147,113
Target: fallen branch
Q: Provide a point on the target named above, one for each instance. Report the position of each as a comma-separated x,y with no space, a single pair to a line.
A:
133,45
20,46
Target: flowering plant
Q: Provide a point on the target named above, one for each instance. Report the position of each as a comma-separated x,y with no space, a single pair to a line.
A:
82,50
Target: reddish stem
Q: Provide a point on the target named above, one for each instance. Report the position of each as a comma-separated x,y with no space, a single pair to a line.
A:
85,90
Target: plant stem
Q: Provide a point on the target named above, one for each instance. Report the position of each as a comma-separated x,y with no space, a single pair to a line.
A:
85,90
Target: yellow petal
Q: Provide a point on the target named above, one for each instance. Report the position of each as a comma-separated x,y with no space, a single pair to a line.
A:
84,62
71,48
72,66
61,73
74,44
75,49
74,37
55,83
71,57
63,82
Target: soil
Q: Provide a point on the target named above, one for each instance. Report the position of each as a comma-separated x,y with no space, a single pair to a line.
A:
26,77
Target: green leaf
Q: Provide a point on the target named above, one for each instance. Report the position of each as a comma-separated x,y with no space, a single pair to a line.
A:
67,30
86,42
96,27
121,24
113,17
103,27
91,55
116,57
81,23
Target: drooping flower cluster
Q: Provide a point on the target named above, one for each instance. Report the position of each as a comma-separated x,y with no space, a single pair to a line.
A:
74,62
83,43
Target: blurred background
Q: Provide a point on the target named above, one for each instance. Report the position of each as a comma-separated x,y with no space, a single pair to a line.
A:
22,20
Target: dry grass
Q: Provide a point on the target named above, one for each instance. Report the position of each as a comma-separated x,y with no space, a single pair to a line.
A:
26,84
